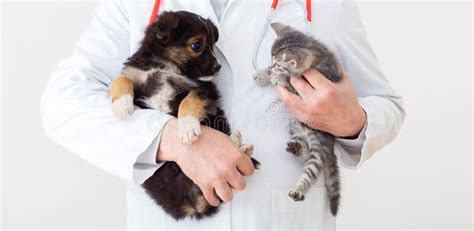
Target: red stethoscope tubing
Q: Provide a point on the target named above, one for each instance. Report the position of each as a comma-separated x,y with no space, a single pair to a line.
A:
308,8
156,9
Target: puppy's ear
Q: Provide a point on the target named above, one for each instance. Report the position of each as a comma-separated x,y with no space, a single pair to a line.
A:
166,23
280,28
213,29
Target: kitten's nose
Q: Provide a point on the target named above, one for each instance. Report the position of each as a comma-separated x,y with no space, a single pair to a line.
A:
216,67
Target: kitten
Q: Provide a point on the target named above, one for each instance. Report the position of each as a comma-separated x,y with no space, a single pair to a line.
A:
293,52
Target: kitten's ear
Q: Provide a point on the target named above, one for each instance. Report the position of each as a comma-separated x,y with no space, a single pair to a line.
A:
166,22
279,28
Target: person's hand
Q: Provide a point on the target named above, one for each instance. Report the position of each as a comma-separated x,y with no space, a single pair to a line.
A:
324,105
213,161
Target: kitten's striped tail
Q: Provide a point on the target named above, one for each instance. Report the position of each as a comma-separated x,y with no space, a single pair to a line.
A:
333,182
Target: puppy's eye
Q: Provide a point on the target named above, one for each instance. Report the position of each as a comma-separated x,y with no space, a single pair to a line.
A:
196,47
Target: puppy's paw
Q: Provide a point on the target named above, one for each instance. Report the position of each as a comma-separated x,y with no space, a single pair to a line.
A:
296,195
261,78
122,106
189,129
247,149
236,138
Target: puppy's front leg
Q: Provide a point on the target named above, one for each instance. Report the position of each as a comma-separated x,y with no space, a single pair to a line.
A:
121,92
191,111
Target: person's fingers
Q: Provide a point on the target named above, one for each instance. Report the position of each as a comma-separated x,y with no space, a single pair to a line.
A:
224,192
210,196
237,181
316,79
301,86
296,106
292,102
244,165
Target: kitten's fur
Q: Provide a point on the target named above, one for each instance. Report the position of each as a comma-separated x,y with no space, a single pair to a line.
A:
293,52
171,72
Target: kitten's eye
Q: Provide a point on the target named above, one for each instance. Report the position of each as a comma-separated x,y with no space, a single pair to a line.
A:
196,47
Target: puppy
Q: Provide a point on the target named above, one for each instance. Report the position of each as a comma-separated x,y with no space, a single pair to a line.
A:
172,72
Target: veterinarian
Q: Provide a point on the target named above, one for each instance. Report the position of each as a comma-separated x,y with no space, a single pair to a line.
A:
363,111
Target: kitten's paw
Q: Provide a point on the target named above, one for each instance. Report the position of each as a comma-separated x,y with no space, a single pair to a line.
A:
294,147
189,129
236,138
278,80
274,80
247,149
122,106
296,195
261,78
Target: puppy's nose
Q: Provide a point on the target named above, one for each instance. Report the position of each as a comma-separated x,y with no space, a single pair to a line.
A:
216,67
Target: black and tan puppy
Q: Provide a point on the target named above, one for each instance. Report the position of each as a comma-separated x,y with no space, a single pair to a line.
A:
172,72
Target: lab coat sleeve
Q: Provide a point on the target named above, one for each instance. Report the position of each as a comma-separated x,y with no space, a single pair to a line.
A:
384,108
146,163
76,107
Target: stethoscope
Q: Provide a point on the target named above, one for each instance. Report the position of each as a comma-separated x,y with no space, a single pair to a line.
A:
156,9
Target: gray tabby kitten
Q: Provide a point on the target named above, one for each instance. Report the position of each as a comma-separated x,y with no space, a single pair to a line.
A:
293,52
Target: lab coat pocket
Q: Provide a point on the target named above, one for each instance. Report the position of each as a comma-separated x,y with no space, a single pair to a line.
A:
310,214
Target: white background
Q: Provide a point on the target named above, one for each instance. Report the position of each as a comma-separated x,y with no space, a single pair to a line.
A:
422,180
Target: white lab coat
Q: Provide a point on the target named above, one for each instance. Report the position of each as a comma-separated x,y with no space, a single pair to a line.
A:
77,114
